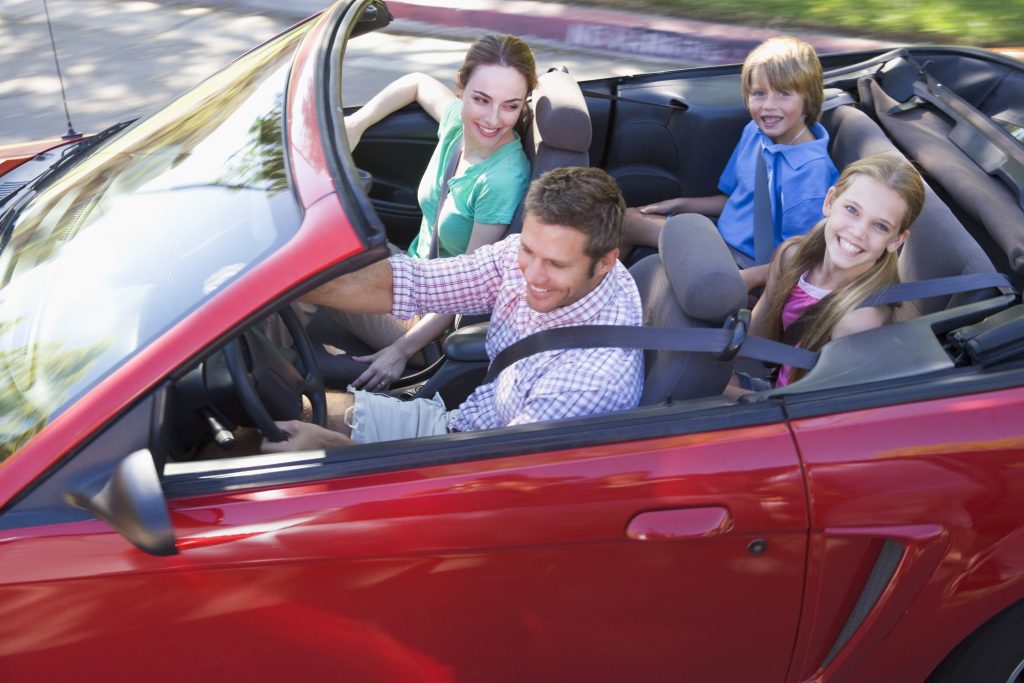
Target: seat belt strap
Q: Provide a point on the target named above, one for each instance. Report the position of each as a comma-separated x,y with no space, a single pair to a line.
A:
764,223
449,173
940,286
691,339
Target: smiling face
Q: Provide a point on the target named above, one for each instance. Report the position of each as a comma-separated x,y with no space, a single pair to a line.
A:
862,223
555,264
780,114
492,102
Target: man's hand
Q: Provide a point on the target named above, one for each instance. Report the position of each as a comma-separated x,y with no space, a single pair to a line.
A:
304,436
385,367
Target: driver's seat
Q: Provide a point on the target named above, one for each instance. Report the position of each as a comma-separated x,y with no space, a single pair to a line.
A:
692,282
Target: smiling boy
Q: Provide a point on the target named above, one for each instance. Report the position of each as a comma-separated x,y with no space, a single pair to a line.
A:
562,271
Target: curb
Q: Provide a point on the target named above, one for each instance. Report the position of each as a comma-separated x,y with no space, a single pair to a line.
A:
652,36
691,42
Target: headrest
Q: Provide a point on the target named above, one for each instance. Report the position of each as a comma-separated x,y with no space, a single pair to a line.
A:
703,275
560,116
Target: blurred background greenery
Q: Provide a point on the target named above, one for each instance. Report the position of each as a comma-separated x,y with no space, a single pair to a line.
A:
994,23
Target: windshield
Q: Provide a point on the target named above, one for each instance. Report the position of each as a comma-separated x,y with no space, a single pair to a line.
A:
128,241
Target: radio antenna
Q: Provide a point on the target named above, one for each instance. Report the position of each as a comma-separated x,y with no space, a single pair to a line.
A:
72,133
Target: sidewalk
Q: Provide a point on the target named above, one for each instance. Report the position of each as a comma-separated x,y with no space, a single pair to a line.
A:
646,35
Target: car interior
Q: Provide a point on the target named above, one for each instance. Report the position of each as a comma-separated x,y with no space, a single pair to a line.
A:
656,134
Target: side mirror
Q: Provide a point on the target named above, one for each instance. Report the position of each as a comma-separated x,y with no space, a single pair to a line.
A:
131,501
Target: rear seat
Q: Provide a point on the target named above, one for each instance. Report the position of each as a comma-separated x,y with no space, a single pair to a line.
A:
939,245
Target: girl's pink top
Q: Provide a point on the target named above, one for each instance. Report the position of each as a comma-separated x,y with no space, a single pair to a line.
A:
803,296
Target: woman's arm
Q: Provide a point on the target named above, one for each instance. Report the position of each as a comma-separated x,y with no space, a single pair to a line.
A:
387,364
427,91
485,233
709,206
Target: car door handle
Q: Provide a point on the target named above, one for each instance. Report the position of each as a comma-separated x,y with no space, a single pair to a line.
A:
679,524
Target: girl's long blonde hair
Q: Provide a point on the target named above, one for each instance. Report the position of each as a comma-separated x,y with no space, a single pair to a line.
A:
807,251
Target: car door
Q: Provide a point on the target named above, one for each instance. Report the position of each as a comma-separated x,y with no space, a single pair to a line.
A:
662,544
394,154
916,508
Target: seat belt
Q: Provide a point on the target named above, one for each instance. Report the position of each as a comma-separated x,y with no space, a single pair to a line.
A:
939,286
726,343
904,291
764,221
449,173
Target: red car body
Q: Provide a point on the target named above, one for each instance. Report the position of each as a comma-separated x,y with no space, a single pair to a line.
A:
845,536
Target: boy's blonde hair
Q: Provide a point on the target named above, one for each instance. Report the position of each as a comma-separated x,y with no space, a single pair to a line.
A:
788,63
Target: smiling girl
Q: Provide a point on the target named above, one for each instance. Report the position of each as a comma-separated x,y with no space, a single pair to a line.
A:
817,281
480,124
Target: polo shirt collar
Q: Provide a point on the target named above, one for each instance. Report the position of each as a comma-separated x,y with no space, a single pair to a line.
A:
798,155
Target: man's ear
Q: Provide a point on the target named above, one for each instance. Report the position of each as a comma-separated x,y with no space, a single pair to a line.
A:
898,241
606,262
826,206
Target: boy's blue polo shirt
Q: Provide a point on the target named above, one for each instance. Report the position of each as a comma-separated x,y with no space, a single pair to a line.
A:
799,177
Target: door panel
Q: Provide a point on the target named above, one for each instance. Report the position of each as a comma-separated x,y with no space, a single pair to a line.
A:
396,152
516,568
940,480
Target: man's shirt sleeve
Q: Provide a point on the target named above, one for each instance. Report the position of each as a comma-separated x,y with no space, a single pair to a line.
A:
464,284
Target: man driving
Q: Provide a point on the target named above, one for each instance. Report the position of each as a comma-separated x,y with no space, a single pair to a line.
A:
561,271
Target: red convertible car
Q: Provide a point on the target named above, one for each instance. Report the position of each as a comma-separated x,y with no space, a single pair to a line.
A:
865,523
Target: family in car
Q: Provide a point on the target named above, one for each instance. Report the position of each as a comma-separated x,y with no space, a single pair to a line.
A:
839,243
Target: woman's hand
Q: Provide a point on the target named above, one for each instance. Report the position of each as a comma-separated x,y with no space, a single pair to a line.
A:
669,206
385,367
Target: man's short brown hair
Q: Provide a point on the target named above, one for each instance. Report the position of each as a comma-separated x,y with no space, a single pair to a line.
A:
586,199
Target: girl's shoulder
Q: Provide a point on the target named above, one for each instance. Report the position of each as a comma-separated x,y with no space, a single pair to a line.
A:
861,319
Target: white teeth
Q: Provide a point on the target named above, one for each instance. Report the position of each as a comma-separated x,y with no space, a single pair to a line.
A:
849,248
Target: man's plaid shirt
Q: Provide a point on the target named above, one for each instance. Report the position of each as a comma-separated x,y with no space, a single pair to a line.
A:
546,386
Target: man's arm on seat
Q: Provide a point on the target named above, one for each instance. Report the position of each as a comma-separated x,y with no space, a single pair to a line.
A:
369,290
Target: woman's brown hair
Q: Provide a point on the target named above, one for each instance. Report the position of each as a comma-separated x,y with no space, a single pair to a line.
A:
502,49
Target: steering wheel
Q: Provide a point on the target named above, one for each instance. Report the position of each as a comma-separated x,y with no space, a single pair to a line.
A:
268,384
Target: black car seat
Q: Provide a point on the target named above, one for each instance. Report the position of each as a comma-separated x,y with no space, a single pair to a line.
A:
561,130
692,282
939,245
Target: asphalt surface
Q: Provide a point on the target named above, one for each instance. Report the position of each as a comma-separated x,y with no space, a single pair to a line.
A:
123,58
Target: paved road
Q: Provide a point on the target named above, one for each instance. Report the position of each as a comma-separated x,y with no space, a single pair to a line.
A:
121,59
